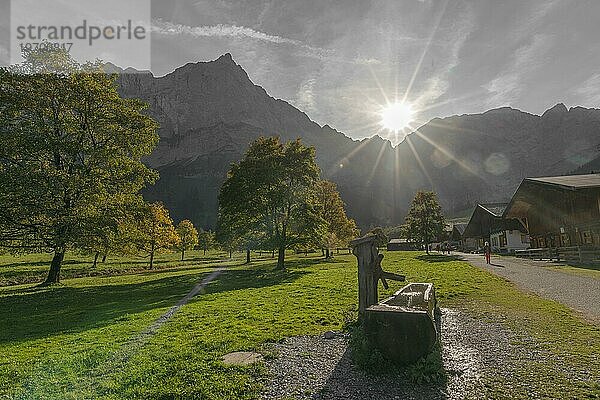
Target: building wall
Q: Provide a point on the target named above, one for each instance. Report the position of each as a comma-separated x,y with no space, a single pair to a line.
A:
560,218
509,241
471,244
401,246
516,240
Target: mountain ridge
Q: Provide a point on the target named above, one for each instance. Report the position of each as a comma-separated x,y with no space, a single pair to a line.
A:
210,111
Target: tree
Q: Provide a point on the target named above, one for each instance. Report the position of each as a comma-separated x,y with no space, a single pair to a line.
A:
339,228
70,153
188,236
233,235
109,235
103,239
153,231
382,239
425,220
267,195
206,240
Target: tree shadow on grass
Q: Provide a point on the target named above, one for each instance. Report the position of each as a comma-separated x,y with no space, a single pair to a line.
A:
21,277
249,278
437,258
39,313
309,262
38,263
35,313
159,262
293,264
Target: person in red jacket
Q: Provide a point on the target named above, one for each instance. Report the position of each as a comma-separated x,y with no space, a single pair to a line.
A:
487,250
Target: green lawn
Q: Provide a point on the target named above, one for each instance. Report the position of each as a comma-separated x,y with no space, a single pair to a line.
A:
80,340
33,268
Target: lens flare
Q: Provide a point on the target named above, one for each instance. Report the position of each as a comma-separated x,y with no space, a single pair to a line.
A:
397,116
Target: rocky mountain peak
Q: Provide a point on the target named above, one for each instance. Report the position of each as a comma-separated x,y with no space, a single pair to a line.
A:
556,111
222,70
226,59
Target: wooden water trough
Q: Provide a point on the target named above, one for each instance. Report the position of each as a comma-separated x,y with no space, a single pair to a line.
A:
405,326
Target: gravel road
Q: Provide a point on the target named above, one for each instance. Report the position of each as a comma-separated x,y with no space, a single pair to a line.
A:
312,367
581,293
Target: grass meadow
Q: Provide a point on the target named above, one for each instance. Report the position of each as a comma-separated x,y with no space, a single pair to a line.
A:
83,339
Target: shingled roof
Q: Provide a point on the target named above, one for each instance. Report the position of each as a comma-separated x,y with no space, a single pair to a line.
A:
496,209
530,188
460,228
571,182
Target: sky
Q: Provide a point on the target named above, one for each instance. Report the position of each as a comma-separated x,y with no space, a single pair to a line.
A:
342,61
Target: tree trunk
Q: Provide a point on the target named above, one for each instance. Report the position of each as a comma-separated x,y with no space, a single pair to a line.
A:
281,258
182,254
54,273
152,256
204,251
247,256
104,258
230,253
427,248
272,253
96,259
323,252
327,255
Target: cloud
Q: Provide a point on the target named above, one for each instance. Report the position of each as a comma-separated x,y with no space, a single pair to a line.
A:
305,98
510,84
366,61
590,90
235,32
240,32
438,84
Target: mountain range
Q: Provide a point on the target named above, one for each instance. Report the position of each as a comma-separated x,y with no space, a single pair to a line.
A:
210,111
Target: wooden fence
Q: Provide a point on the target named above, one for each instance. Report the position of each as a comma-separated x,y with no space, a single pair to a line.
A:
573,254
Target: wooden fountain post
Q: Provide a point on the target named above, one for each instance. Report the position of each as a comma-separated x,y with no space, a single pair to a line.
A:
369,272
366,252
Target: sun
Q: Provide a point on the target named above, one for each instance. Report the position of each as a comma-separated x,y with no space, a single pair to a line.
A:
397,116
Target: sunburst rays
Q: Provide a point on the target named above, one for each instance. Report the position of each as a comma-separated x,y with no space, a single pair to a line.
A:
401,125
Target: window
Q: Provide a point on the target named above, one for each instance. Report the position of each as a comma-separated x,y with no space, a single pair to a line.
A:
524,239
565,239
503,241
586,237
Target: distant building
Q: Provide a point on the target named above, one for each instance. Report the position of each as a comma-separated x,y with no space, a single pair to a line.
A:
487,224
401,245
456,237
559,211
509,240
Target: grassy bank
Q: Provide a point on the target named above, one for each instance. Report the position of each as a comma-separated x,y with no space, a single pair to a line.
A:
81,339
590,271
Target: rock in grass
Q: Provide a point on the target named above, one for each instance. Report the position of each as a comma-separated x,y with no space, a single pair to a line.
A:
329,335
242,358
